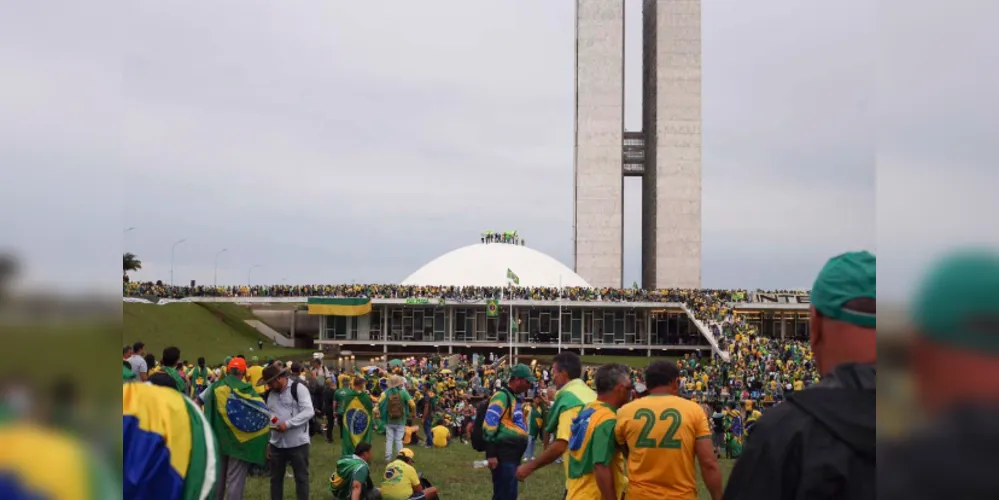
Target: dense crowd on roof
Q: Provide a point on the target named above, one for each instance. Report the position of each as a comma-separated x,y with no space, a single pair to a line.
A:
451,293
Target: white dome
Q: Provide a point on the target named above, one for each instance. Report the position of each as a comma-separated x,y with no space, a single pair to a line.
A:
485,264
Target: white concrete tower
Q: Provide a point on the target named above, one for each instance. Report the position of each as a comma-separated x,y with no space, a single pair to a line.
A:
598,213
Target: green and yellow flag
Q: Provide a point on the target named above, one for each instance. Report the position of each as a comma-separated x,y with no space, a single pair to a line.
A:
510,275
492,308
357,421
240,419
339,306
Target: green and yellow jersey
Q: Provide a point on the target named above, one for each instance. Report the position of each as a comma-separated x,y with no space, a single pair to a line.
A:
592,443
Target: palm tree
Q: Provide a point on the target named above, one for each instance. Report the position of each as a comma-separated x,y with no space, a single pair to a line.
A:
130,263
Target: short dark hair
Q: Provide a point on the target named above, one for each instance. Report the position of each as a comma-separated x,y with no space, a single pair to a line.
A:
171,355
127,349
569,363
201,362
362,448
661,373
296,367
138,346
609,376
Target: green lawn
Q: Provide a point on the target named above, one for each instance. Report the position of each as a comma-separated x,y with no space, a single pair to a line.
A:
213,332
450,469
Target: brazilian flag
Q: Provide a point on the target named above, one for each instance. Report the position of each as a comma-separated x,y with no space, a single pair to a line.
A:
357,421
492,308
240,419
39,462
168,449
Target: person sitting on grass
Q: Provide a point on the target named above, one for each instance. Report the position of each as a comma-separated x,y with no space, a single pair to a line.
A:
410,435
441,434
401,481
352,479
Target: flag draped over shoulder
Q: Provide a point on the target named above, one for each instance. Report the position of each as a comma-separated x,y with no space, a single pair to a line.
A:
240,419
357,420
168,449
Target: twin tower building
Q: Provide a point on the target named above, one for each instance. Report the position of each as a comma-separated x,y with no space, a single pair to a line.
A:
666,153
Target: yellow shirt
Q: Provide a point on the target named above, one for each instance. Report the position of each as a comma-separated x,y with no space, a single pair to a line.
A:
659,432
441,434
399,481
407,436
799,385
592,443
255,373
564,432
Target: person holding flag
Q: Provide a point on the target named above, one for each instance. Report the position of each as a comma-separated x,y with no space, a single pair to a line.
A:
357,418
240,420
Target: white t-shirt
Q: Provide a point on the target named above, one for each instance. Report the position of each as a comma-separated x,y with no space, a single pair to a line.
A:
138,364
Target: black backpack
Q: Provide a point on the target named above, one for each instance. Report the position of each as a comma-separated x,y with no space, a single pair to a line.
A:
313,422
478,439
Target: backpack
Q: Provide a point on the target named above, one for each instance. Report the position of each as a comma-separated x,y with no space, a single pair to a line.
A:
478,439
394,407
313,423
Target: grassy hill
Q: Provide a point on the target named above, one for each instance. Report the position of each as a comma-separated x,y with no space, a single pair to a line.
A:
210,330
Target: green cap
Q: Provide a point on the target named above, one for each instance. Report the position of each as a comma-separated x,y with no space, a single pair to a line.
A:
227,360
849,276
523,371
958,301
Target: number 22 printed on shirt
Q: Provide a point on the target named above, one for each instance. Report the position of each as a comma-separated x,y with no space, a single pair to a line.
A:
668,441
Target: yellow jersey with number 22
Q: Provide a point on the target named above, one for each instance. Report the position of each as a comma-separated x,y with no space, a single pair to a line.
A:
659,432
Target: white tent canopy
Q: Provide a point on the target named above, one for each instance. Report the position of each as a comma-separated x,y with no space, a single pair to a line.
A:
486,264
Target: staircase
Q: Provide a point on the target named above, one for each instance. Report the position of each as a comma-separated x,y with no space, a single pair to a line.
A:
270,333
706,332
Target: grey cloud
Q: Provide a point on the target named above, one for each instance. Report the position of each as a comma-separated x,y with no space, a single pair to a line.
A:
343,140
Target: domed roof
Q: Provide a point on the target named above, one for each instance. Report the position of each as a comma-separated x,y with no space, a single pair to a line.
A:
485,264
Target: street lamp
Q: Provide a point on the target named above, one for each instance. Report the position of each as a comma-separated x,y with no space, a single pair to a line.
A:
173,251
249,274
216,279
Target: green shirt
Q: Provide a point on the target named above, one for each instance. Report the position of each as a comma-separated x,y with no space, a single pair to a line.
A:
348,470
340,396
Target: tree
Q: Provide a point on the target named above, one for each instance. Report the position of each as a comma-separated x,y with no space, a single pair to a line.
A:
130,263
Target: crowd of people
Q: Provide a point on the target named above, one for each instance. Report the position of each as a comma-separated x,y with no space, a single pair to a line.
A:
616,432
434,402
158,289
508,237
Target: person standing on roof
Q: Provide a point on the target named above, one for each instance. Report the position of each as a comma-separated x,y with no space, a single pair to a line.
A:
821,443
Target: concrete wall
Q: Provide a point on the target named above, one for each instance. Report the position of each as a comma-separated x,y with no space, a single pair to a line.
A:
280,320
598,207
672,89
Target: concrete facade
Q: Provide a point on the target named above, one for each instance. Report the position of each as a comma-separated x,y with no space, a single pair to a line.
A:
671,120
671,129
598,211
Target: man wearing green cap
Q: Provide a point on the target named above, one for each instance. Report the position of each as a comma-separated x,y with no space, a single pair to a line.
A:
821,443
954,363
504,430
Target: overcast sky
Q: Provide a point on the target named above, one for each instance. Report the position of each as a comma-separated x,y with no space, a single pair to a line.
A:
355,141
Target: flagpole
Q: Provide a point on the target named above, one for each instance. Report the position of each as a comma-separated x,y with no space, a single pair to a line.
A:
509,327
560,313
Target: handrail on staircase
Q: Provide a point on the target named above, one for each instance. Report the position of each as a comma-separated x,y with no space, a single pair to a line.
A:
706,333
